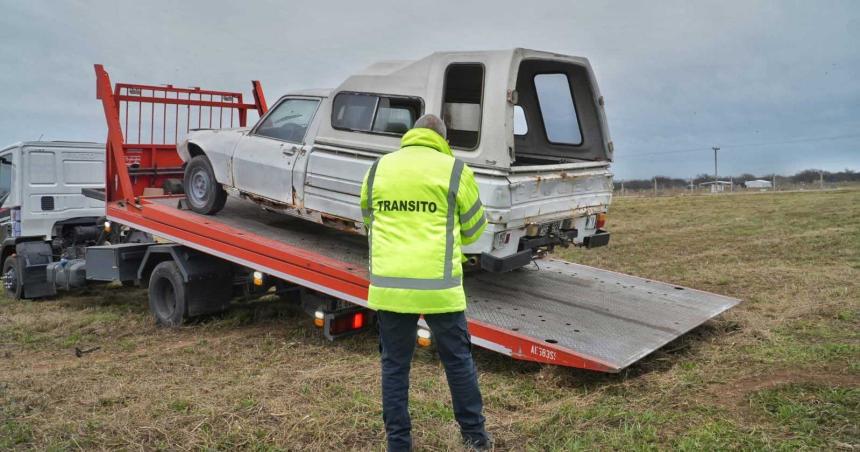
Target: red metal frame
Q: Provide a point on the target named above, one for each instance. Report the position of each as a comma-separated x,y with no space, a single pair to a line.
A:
127,204
136,161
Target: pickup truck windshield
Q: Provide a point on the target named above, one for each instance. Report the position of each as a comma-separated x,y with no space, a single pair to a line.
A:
289,120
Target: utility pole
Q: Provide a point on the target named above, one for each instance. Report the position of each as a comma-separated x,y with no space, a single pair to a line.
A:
622,188
773,181
821,179
655,185
716,177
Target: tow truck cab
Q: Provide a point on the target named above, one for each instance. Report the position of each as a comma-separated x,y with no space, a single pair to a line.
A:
43,215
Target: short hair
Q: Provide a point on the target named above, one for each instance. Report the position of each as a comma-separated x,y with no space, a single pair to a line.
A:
432,122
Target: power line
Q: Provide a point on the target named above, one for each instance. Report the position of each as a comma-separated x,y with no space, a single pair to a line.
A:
744,145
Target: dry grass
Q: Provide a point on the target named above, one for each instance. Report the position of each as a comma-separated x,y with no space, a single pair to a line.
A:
779,371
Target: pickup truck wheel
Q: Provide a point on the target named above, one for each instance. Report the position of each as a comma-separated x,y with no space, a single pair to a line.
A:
167,294
12,278
203,192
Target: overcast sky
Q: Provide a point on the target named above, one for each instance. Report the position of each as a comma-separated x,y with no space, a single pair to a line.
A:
776,84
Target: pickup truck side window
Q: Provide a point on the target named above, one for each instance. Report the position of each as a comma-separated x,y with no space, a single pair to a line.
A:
557,109
462,104
289,120
363,112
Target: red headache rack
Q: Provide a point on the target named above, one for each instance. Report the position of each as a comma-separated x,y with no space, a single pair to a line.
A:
143,154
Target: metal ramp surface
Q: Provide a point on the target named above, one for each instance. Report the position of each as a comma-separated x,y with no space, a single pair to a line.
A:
600,315
553,311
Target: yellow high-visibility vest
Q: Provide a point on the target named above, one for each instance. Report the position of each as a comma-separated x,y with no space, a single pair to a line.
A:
420,205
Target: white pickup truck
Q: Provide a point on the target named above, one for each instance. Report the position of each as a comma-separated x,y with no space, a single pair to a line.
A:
530,124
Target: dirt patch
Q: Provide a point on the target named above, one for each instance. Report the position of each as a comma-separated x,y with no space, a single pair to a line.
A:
734,395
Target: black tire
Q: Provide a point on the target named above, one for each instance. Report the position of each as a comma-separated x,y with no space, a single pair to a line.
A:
167,295
12,278
202,191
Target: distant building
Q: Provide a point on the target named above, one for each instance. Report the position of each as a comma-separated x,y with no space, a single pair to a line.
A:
717,186
758,183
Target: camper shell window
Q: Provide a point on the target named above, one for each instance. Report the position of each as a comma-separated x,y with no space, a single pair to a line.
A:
375,113
557,117
463,103
557,109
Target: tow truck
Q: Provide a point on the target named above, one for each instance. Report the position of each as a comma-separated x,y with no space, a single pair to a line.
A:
552,311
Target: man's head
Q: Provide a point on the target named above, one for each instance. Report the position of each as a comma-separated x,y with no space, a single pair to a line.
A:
432,122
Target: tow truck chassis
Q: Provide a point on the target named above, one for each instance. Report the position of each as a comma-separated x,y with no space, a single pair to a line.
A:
553,312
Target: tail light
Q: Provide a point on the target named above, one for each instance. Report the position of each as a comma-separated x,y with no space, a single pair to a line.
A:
601,221
337,324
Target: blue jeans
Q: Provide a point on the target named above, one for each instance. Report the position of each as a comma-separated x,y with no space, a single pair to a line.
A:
397,337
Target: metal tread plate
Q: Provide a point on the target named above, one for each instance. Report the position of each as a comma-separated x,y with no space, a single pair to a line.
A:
609,317
248,216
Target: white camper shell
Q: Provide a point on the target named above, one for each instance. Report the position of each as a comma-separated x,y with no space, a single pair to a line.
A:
530,124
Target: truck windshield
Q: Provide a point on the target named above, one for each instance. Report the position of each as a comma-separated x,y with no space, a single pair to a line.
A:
289,120
5,177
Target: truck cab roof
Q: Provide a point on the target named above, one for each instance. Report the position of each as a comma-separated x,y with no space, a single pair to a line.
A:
56,143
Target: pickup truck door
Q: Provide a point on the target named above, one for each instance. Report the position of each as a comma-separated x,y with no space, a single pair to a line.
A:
264,158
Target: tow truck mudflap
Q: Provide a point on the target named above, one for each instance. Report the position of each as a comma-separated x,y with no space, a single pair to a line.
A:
576,315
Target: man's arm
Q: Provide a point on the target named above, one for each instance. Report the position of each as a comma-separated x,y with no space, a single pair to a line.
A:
469,208
365,203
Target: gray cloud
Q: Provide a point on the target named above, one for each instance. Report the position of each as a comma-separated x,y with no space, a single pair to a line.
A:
681,76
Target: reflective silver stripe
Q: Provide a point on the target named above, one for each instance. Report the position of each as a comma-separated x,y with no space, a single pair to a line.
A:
466,217
453,187
392,282
471,231
370,177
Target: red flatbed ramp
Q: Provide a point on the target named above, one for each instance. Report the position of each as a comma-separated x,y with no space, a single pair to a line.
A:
553,311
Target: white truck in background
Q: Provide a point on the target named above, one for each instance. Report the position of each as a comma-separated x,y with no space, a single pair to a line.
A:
46,223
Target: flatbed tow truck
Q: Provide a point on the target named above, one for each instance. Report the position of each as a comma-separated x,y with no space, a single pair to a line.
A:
552,312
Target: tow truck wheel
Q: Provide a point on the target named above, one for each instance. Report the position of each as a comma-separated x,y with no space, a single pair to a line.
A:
12,278
167,294
203,192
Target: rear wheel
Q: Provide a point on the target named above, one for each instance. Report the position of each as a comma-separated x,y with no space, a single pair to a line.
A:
167,294
12,278
203,192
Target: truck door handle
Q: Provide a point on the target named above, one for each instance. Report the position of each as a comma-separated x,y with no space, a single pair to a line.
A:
288,150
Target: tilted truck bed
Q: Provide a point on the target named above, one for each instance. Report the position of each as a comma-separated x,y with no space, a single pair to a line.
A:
553,311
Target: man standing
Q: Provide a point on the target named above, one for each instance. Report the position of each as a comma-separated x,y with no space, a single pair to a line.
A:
420,205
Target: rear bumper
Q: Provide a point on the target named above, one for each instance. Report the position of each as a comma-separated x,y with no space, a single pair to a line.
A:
601,238
495,264
529,246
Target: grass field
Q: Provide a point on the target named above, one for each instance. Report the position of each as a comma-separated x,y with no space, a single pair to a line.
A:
779,371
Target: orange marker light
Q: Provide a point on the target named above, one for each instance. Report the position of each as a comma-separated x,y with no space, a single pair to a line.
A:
319,319
424,337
